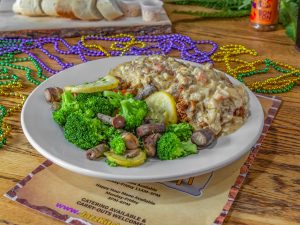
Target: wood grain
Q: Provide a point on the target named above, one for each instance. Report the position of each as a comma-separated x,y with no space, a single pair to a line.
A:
270,195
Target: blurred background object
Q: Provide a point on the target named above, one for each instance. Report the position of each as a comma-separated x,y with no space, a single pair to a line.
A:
288,11
298,29
70,18
264,14
288,16
6,5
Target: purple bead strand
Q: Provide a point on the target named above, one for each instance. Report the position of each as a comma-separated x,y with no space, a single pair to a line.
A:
42,41
158,44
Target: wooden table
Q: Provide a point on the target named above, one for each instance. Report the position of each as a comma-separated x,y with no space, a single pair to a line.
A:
270,194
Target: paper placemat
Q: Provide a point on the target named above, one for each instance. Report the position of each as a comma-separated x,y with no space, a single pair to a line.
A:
81,200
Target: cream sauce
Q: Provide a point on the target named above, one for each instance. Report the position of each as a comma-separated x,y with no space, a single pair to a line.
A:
209,98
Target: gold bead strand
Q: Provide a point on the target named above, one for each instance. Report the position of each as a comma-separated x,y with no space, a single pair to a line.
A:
127,45
11,93
6,128
227,55
96,46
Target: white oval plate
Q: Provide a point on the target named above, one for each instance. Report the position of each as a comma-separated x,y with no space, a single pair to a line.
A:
48,139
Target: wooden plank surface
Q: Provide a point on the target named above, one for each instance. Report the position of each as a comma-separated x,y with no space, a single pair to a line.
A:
270,195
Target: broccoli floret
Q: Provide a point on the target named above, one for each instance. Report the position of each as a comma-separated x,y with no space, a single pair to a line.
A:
83,131
169,147
134,112
117,144
110,132
93,103
96,105
115,98
60,116
82,97
183,131
189,148
111,163
68,106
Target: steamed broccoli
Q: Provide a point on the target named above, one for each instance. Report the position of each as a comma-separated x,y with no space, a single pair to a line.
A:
93,103
68,106
111,163
110,132
169,147
98,105
83,131
134,112
183,131
115,98
131,109
89,103
117,144
82,97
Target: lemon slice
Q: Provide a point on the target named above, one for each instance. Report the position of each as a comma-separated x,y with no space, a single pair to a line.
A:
102,84
120,160
162,107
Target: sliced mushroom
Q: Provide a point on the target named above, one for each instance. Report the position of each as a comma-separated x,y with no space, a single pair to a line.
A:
117,121
147,90
97,151
147,129
131,153
203,137
53,94
130,140
150,144
148,120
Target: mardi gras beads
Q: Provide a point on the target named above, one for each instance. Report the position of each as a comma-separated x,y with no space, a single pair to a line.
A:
10,83
5,128
124,44
228,54
9,61
279,84
121,43
12,93
188,48
274,85
98,47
